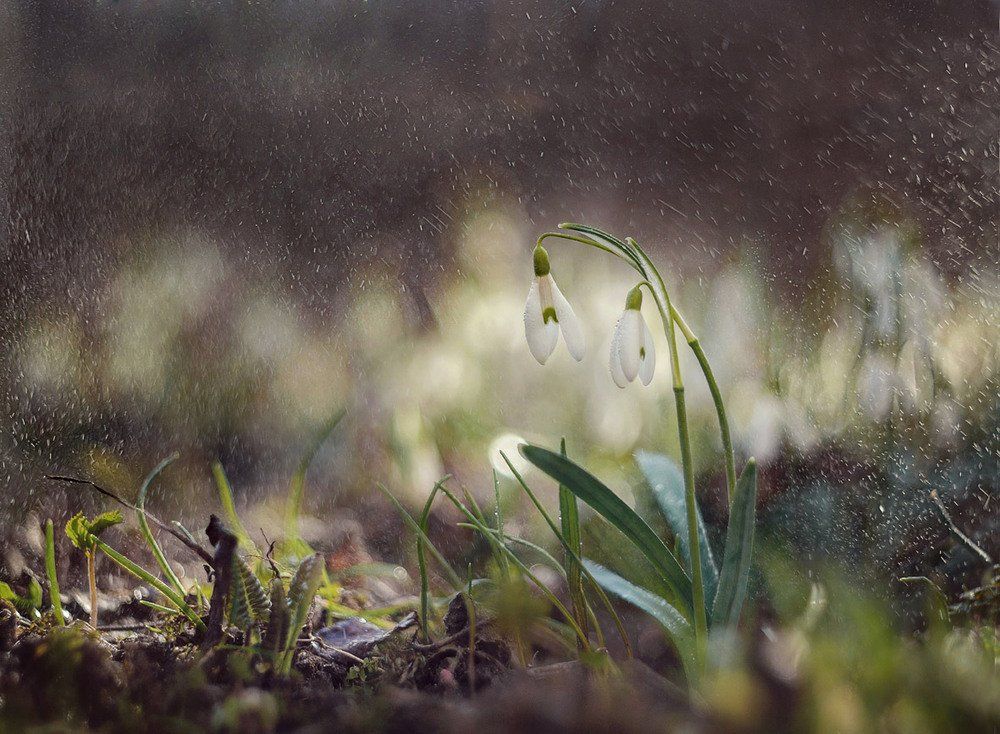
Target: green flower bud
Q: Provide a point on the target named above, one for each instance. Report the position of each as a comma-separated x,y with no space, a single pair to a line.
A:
541,261
634,299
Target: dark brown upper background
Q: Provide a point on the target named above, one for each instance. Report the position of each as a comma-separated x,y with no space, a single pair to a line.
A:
291,130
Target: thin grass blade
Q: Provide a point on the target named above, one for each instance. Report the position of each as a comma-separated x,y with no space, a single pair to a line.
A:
523,568
154,546
297,486
425,585
453,578
569,522
225,490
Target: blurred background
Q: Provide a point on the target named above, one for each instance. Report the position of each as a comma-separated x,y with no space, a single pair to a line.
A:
222,222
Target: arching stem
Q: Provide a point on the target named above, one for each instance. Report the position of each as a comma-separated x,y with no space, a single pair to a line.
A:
629,251
662,298
720,408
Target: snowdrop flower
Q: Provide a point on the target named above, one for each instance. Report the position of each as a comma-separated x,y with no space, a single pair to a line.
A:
632,353
546,312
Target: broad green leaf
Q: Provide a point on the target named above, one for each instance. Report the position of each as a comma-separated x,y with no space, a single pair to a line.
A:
589,489
667,484
739,549
678,629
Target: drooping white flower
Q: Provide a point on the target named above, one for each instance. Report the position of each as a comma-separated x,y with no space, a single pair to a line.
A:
632,352
547,312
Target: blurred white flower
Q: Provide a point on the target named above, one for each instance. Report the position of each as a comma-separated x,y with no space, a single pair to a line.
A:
632,351
507,444
546,312
876,385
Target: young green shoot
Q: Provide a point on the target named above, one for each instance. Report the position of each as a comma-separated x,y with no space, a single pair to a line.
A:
487,532
50,572
84,535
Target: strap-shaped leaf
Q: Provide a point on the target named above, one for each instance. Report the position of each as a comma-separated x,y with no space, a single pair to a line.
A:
667,484
739,549
678,629
589,489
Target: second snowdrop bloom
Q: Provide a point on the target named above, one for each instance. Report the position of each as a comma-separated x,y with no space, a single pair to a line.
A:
547,312
632,353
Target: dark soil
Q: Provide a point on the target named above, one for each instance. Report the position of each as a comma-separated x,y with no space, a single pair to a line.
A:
73,679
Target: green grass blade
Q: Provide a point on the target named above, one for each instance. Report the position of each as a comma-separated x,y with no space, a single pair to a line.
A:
498,521
679,630
50,571
160,608
502,538
589,489
569,522
739,549
143,575
297,486
558,568
453,578
667,485
577,559
229,508
425,586
140,504
523,568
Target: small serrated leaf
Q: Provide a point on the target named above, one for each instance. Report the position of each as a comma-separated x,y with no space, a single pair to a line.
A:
260,603
277,622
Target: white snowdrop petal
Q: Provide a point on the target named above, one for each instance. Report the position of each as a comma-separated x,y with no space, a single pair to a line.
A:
541,336
631,342
615,363
572,329
648,359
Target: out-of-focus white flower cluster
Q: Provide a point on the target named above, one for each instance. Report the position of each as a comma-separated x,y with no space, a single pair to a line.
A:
190,339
